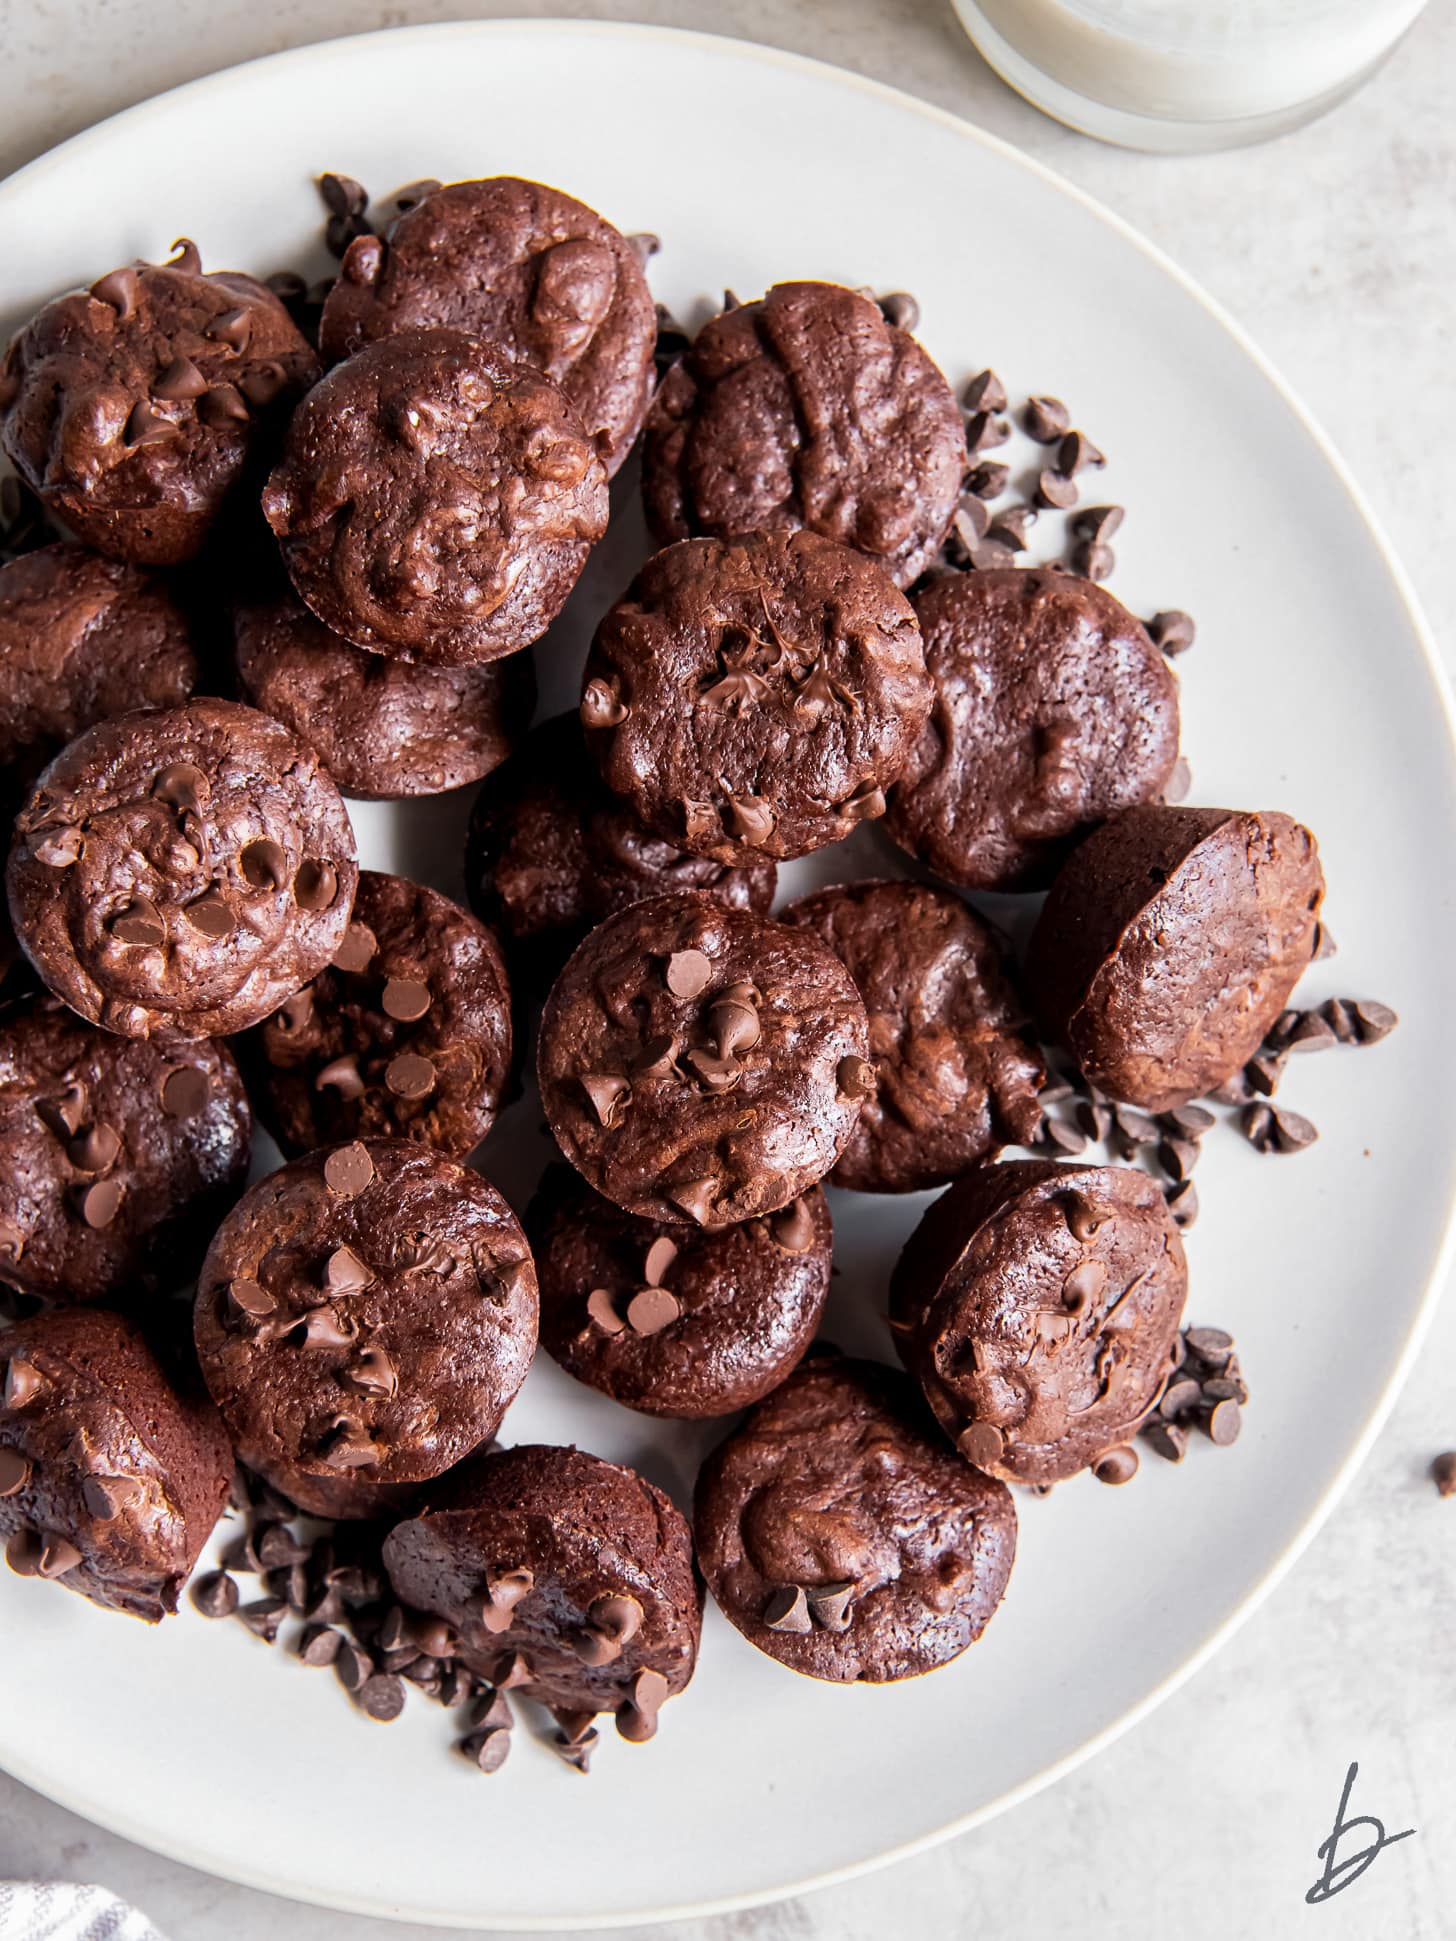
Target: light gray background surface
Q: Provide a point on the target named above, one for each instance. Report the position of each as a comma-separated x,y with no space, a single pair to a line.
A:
1337,248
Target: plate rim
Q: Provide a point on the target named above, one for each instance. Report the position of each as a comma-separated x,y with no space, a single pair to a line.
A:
119,1821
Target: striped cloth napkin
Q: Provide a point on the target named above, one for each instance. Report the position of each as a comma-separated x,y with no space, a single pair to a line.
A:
56,1911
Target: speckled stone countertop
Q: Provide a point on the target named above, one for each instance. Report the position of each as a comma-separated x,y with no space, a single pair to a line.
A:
1337,249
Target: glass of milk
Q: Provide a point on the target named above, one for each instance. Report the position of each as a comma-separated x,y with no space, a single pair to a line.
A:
1181,75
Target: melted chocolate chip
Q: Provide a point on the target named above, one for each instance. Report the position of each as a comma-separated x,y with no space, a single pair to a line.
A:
315,885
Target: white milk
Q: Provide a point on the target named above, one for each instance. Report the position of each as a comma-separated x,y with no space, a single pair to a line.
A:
1180,74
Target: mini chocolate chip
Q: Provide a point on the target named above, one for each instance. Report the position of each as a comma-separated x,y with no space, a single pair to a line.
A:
222,405
984,392
989,479
341,1075
346,1273
696,1197
981,1443
1045,419
264,864
856,1078
1372,1021
374,1372
1076,452
609,1093
1055,490
348,1169
1173,631
787,1609
601,1311
1093,560
1443,1473
99,1204
264,1617
792,1228
147,427
118,290
215,1594
829,1605
751,818
602,705
139,922
410,1076
488,1750
405,999
1118,1465
1097,521
106,1497
1292,1132
251,1299
1183,1203
357,949
180,380
15,1471
1169,1439
1083,1285
315,885
651,1309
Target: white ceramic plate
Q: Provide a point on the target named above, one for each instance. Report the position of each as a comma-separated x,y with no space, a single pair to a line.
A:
1312,689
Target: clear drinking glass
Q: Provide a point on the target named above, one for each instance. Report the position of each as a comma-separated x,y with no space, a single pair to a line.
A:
1182,75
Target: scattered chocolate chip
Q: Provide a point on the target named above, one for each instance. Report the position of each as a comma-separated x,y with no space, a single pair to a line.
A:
1188,1121
984,392
1094,1119
320,1645
215,1594
410,1076
353,1665
787,1609
1211,1346
900,310
651,1309
1223,1422
1055,491
1183,1203
1061,1136
1135,1127
1173,631
1169,1439
989,479
1311,1032
278,1548
1443,1473
511,1673
1009,528
1045,419
1292,1132
576,1753
264,1617
1324,943
1180,1398
981,1443
22,1552
1372,1021
1076,452
1178,1157
984,431
1097,522
348,1169
488,1750
1234,1091
1119,1465
970,524
1093,560
381,1697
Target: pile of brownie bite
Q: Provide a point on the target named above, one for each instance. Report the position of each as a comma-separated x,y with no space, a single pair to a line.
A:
306,543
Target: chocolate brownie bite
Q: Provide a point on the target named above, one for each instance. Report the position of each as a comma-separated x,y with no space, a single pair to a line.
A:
551,851
841,1536
955,1076
182,872
111,1477
567,1579
670,1320
1170,943
1038,1306
83,638
117,1157
436,500
1053,710
137,408
807,409
407,1034
524,267
756,696
700,1064
364,1317
383,727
